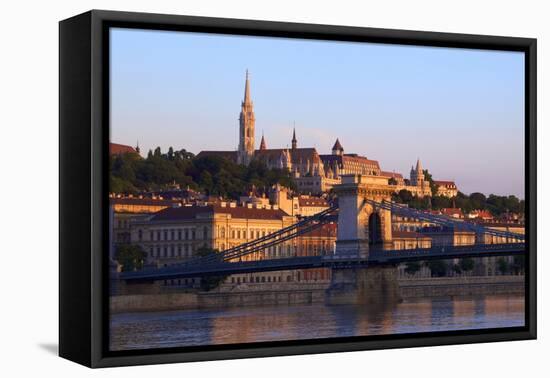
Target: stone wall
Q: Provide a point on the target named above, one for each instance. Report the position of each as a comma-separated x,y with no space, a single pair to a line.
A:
256,295
461,286
153,302
217,299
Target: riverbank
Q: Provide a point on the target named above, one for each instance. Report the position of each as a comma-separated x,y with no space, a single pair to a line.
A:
216,326
311,293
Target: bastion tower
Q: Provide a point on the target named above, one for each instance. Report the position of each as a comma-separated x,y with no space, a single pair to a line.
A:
247,121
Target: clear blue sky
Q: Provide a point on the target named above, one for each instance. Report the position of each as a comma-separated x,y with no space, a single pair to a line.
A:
461,111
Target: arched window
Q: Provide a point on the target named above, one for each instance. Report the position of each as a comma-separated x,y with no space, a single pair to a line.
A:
375,229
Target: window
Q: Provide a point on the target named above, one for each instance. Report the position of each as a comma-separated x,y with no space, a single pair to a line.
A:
165,234
179,234
158,251
158,235
165,251
205,233
179,250
140,235
172,251
172,234
151,235
193,235
186,234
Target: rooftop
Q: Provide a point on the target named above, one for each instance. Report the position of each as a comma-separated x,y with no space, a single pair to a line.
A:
240,212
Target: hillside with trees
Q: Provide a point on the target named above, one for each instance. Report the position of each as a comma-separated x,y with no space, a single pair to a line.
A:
497,205
130,173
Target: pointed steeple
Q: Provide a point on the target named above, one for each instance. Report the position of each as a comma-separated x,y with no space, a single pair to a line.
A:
137,146
418,166
262,143
337,149
294,140
247,121
247,98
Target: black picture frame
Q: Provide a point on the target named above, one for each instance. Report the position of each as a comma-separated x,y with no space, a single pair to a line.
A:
83,163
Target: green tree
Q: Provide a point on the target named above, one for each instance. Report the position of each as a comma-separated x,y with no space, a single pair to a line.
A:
478,200
456,269
433,186
412,267
404,196
466,264
170,154
502,265
518,266
438,268
440,202
209,282
130,256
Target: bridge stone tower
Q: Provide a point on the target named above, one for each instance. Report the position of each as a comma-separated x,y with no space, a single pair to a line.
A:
361,227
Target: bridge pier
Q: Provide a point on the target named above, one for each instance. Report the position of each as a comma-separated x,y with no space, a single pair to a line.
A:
366,285
362,227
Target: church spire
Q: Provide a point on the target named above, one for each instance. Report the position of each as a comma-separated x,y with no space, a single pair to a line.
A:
418,166
294,141
247,122
337,149
247,90
262,143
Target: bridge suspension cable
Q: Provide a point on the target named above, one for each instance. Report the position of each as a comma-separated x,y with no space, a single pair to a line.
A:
443,220
304,226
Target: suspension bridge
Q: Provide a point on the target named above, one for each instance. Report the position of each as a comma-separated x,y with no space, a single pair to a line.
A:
364,215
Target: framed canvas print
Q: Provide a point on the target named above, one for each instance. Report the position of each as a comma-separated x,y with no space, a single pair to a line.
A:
235,188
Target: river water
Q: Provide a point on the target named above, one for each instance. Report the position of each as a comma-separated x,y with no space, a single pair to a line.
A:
252,324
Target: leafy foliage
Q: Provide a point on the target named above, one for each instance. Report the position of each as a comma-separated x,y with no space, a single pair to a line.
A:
466,264
130,256
210,282
438,268
502,265
214,175
412,267
495,204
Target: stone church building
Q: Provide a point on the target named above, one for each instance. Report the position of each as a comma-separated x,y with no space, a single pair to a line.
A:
314,173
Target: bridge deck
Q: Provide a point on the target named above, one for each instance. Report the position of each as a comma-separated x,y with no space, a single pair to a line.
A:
376,257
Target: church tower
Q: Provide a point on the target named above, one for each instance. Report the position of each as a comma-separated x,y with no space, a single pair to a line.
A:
246,127
417,174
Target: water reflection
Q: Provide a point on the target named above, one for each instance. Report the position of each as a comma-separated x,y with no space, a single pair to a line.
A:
249,324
